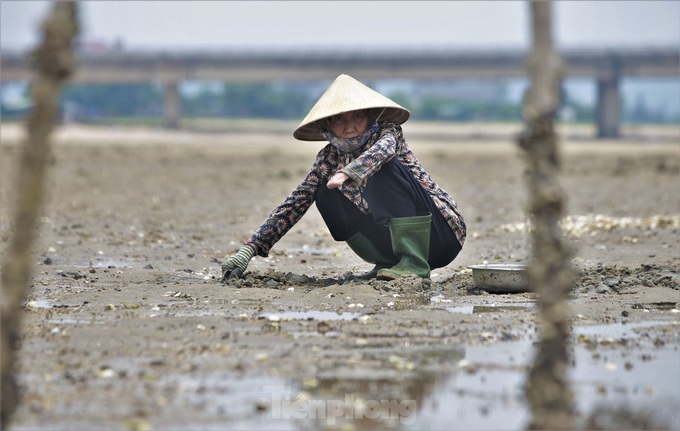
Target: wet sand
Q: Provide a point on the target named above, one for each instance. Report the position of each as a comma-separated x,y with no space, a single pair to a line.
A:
127,327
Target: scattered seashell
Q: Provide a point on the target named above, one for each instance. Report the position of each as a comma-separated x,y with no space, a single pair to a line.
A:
581,225
105,372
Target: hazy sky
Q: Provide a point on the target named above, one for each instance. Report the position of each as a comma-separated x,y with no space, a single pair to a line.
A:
216,25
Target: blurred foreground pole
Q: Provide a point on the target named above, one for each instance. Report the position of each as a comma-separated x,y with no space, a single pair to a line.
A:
547,389
53,62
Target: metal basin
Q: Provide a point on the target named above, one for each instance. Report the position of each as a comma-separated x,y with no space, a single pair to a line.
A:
501,278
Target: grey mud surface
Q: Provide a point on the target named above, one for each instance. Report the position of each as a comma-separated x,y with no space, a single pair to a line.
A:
127,327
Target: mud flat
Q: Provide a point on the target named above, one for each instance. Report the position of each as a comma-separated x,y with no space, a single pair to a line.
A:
126,326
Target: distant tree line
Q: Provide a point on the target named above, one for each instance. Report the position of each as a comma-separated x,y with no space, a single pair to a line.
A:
102,102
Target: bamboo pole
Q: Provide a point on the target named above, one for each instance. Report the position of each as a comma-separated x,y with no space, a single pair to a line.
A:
53,62
547,389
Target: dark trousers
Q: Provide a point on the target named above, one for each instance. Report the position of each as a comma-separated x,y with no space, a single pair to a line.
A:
391,192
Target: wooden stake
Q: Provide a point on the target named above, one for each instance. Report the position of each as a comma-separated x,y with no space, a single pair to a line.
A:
53,62
547,390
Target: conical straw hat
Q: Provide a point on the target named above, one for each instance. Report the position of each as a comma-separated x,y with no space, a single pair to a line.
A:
347,94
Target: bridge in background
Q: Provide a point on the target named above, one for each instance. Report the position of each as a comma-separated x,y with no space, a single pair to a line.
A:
606,66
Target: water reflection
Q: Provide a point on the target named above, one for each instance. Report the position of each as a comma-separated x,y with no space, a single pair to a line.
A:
360,398
481,386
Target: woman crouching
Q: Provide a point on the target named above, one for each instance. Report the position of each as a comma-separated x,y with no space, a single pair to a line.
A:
369,188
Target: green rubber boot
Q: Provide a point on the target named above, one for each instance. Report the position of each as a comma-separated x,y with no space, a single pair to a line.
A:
366,250
411,244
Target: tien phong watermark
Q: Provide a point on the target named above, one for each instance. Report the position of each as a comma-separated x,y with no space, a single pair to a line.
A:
285,405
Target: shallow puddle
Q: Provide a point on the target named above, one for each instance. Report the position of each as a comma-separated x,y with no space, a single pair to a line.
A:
482,387
102,263
490,308
250,403
44,304
487,390
111,263
310,315
453,387
71,321
38,303
618,330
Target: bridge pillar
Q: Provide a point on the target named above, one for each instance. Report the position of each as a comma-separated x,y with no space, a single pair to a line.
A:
171,105
608,111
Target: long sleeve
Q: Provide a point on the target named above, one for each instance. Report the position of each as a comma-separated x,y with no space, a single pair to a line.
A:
291,210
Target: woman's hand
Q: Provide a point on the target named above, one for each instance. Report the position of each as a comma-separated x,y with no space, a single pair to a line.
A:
237,264
337,180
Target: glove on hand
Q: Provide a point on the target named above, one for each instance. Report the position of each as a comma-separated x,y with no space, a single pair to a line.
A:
237,264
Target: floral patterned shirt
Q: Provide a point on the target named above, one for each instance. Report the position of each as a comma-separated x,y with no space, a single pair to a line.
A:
387,143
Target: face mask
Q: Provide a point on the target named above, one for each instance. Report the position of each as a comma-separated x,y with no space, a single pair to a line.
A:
349,145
